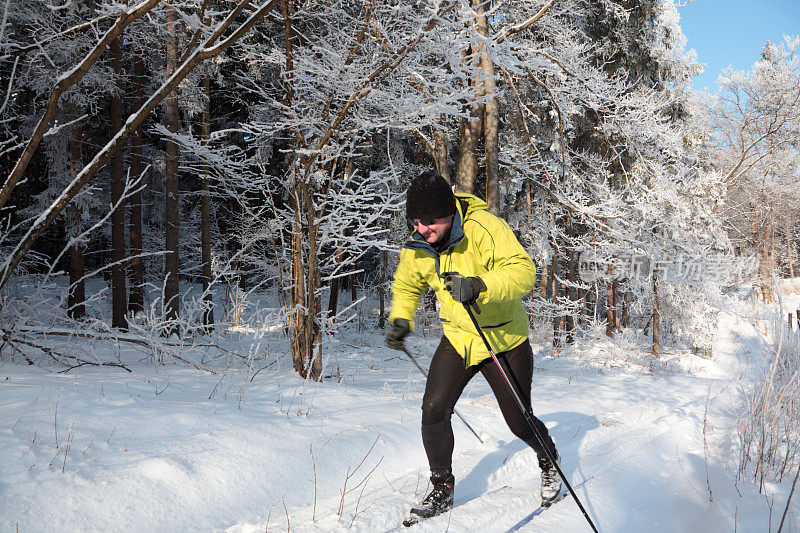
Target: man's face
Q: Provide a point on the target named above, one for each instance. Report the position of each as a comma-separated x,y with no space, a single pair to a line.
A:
433,230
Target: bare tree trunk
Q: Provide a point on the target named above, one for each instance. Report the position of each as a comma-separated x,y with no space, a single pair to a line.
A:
491,141
558,320
773,264
171,192
772,261
764,265
205,214
545,275
382,291
543,279
491,116
335,285
306,331
570,276
313,331
440,154
656,318
615,302
333,298
298,318
136,265
298,290
240,266
623,323
76,297
77,287
467,168
119,297
789,247
610,303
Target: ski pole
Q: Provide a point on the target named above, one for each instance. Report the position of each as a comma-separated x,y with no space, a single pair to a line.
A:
419,367
527,413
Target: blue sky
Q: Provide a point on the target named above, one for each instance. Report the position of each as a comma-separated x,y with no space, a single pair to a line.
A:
733,32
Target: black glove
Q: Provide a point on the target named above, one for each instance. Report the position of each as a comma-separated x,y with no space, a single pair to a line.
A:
462,288
396,335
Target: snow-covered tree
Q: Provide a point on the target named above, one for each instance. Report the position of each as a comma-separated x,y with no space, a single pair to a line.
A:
756,121
572,118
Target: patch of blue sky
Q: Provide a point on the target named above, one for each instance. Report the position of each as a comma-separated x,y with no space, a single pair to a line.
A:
733,32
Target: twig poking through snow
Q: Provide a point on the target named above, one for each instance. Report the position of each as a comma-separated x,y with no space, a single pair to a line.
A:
349,475
789,500
705,445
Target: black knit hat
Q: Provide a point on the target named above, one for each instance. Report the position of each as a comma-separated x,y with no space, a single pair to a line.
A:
429,196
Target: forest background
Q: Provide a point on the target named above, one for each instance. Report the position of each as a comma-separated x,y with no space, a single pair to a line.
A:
178,172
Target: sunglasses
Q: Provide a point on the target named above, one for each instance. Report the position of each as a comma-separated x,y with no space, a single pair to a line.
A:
425,221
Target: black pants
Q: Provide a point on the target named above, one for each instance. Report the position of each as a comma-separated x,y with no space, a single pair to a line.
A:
446,381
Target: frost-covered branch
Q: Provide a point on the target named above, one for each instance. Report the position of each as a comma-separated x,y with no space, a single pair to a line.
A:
65,82
208,50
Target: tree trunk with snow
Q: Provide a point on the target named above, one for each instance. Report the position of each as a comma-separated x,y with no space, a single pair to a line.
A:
555,272
136,265
491,116
304,325
656,318
205,213
334,286
543,271
469,137
610,303
76,295
305,330
571,278
171,187
789,248
764,265
382,291
333,298
119,296
440,153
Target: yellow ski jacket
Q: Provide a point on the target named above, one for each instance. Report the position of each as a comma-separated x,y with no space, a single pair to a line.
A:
480,244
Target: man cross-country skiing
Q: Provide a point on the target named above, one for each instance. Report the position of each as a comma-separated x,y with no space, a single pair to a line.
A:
466,255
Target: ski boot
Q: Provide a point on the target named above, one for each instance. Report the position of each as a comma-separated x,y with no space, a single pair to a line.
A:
551,481
440,500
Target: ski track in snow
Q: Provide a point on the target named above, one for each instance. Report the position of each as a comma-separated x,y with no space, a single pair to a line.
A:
100,450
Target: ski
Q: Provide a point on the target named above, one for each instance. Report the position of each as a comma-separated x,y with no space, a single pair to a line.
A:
411,520
564,492
561,495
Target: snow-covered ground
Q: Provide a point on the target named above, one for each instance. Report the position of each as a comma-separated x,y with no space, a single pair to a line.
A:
172,448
